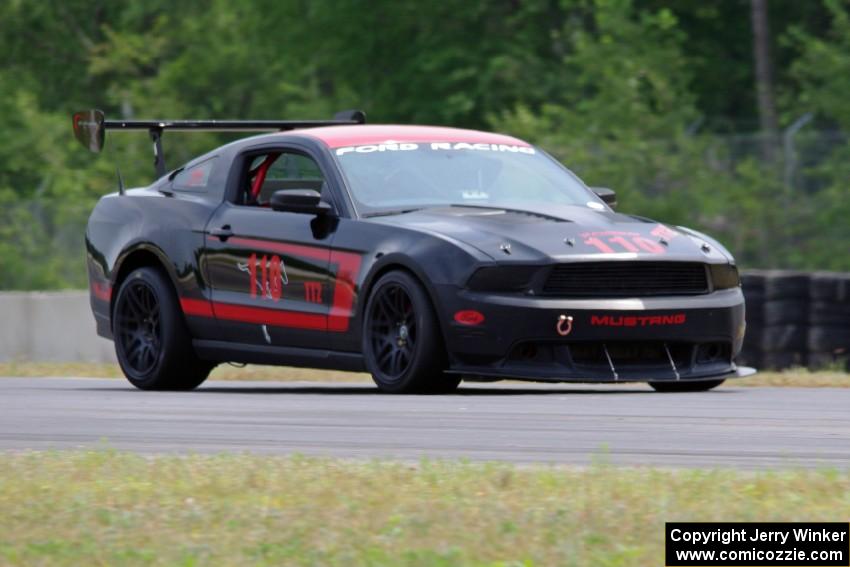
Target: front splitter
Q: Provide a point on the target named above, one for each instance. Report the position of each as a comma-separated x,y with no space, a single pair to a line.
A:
507,374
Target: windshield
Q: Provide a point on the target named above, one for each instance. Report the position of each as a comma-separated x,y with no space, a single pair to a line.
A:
401,176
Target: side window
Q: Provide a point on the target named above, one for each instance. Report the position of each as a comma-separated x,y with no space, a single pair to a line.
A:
194,178
280,171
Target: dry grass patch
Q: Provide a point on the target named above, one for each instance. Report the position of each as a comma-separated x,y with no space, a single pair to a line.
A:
800,378
61,369
108,508
222,372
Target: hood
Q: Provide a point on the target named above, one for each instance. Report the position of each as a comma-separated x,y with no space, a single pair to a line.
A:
561,232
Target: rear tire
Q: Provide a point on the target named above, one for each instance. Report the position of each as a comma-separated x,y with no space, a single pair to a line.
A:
152,342
402,342
686,386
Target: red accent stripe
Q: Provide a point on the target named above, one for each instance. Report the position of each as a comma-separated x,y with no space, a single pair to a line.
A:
348,266
342,306
275,317
102,291
196,307
283,247
258,315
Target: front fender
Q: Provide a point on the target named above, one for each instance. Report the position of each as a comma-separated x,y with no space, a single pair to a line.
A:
434,261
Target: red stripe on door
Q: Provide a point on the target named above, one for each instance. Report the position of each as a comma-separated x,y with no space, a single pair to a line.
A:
274,317
342,304
342,307
258,315
283,248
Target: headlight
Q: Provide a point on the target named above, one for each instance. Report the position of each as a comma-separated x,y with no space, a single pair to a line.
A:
502,278
724,276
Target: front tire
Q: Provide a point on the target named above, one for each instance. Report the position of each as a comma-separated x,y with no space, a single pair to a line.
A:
686,386
402,342
152,342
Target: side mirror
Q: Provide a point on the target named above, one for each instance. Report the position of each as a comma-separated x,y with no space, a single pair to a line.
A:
306,201
607,195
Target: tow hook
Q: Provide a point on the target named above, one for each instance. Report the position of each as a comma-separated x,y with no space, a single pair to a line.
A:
564,325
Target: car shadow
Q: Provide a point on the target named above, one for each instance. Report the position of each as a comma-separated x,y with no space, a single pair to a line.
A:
369,390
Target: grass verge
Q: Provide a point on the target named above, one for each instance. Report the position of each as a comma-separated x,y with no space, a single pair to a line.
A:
221,372
800,378
110,508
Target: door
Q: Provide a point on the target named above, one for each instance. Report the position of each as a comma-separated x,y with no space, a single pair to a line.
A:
268,269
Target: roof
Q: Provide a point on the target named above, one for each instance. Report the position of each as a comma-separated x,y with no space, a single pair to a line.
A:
341,136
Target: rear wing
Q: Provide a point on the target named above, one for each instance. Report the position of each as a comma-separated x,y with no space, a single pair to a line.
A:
90,128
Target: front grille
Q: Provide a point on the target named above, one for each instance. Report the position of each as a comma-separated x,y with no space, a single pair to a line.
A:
626,279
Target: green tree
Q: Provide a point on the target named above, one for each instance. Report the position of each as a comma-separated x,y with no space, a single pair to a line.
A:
652,97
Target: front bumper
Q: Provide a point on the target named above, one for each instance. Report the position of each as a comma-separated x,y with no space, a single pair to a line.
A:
608,340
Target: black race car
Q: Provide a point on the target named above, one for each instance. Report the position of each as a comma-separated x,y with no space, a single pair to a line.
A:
424,255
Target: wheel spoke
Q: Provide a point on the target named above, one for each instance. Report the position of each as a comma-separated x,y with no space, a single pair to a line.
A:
134,303
380,319
387,308
134,350
384,344
148,356
142,299
391,363
143,356
384,357
403,305
150,302
400,299
396,364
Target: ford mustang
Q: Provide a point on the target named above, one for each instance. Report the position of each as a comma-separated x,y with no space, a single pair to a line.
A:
423,255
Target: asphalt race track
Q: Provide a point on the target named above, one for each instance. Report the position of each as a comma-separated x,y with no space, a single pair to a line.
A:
733,426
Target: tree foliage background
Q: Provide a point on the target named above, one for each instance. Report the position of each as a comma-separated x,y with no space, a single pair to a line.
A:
655,98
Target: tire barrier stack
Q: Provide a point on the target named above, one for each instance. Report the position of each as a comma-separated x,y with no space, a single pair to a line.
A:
786,304
796,319
829,319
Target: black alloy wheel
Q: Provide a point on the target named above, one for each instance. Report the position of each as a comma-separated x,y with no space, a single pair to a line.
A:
139,331
402,341
393,331
152,341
